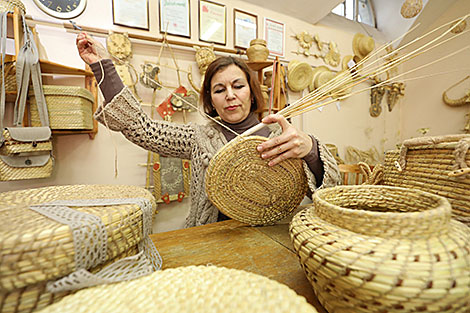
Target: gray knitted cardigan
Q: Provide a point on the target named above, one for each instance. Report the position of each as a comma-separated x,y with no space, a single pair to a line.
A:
191,141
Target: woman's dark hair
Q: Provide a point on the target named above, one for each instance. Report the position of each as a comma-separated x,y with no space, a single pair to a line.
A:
220,64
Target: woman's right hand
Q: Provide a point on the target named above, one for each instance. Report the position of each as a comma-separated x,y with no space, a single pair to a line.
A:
89,49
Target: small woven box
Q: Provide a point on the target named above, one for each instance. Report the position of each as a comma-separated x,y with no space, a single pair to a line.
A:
70,107
55,240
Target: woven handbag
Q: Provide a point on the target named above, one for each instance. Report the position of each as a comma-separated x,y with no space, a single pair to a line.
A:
437,164
191,289
59,239
25,152
383,249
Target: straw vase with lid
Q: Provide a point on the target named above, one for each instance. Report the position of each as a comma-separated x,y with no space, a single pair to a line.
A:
258,51
388,249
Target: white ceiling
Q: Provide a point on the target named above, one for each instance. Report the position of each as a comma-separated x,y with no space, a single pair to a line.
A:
390,23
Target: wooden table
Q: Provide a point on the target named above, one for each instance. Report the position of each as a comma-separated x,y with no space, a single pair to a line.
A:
264,250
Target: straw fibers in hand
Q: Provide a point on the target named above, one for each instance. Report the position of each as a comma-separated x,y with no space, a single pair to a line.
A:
242,185
196,289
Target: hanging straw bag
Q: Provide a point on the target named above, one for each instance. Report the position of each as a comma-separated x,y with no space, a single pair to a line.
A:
58,239
437,164
383,249
25,152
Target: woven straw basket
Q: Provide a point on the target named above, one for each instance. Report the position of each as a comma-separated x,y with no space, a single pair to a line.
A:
36,250
435,164
70,107
383,249
242,185
10,76
195,289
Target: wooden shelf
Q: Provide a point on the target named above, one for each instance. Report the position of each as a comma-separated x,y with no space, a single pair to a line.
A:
48,67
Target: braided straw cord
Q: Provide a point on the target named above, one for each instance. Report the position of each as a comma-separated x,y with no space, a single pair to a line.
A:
8,173
35,248
196,289
242,185
383,249
12,146
431,167
69,107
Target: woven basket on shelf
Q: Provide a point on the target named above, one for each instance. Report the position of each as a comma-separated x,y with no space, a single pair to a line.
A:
242,185
39,251
383,249
437,164
70,107
196,289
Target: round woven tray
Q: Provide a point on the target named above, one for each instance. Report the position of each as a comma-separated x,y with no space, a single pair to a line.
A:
242,185
383,249
188,289
40,249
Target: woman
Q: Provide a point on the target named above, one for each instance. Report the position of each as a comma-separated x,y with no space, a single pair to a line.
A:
230,92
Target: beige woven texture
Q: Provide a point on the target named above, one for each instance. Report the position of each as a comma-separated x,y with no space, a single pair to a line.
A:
434,167
10,74
8,173
12,146
242,185
207,289
10,5
35,249
69,107
383,249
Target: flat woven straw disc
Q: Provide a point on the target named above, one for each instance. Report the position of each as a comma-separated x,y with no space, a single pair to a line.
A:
197,289
242,185
299,76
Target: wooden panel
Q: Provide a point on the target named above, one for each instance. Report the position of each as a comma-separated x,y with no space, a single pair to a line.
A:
261,250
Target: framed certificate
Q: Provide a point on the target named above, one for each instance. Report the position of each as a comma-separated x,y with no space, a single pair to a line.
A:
274,33
245,26
131,13
175,17
212,22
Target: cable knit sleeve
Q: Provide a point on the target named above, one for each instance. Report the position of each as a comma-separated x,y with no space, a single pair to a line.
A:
125,115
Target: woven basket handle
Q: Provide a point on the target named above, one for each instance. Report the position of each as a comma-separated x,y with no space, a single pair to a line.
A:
460,151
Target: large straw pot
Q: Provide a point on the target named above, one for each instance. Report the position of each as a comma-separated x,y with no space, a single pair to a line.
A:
258,50
383,249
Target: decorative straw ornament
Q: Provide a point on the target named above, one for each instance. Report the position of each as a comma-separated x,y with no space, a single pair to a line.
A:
378,249
242,185
192,289
411,8
299,75
362,45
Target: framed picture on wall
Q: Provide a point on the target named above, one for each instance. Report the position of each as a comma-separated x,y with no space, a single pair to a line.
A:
212,22
131,13
245,26
274,33
175,17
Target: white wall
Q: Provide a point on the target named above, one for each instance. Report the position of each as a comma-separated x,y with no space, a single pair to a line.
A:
80,160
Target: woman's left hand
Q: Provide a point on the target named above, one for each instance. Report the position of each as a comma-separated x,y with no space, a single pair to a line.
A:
292,143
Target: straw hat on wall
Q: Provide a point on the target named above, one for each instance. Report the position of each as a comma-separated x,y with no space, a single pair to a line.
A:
299,75
316,71
362,45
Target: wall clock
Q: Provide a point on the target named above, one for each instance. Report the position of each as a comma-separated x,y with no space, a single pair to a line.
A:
65,9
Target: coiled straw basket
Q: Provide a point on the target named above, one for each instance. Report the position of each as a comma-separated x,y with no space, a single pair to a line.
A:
438,164
383,249
242,185
196,289
36,250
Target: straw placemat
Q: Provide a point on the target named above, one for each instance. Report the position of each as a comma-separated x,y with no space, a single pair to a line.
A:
207,289
36,249
383,249
242,185
438,164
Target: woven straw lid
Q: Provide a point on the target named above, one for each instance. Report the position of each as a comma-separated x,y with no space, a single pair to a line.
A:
41,249
197,289
299,75
72,91
362,45
242,185
322,78
10,5
383,249
411,8
316,71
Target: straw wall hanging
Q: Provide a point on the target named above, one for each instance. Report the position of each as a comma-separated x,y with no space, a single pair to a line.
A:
55,240
438,164
383,249
195,289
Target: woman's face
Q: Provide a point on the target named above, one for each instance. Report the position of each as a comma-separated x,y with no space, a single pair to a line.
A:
230,94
